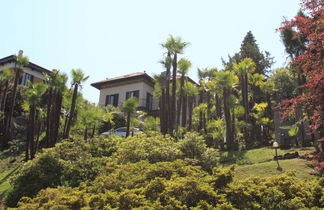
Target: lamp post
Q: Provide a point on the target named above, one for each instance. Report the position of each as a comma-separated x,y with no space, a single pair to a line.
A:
276,146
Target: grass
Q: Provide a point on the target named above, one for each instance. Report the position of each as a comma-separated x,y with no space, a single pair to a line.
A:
299,166
259,155
4,181
9,166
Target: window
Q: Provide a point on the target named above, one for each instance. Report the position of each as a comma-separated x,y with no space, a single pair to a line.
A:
130,94
25,78
149,101
112,99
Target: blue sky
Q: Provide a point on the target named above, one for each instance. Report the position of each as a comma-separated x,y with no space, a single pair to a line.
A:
107,38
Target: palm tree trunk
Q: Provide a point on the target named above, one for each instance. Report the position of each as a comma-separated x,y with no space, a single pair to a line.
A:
180,101
208,105
48,117
174,97
69,124
167,97
93,131
200,125
58,106
190,113
4,96
227,114
12,102
86,133
218,106
163,121
184,111
30,133
128,124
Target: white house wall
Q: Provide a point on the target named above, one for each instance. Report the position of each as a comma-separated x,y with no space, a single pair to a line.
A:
25,69
122,89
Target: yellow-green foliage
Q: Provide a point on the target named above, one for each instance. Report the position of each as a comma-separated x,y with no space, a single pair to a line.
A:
150,172
172,185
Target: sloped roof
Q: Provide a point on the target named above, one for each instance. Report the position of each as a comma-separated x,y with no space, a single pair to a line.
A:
127,77
12,58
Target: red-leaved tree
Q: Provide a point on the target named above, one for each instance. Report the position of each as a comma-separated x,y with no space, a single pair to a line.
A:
311,62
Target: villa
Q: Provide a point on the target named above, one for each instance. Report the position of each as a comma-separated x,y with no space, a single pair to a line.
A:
31,72
116,90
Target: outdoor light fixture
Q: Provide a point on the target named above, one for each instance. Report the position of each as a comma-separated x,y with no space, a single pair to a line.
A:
276,146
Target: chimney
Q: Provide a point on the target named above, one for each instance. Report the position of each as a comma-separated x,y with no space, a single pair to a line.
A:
20,53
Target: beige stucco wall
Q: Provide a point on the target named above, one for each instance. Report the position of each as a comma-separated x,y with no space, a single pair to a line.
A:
122,89
25,69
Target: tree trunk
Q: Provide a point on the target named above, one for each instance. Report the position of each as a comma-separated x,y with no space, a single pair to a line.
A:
86,134
200,124
218,107
163,114
30,133
168,107
93,131
4,97
48,117
208,105
69,124
12,102
174,89
184,111
190,113
128,124
227,114
57,116
180,101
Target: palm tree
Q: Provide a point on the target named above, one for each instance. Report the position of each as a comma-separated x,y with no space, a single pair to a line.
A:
174,46
21,61
129,107
159,91
78,77
57,86
5,76
225,80
244,69
183,67
33,96
191,91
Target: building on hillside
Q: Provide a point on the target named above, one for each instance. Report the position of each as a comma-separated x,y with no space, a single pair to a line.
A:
116,90
31,72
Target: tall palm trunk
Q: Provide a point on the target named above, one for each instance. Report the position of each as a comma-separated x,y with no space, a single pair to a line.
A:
190,112
167,96
201,96
48,117
30,133
58,106
69,123
12,102
180,101
174,97
218,106
86,134
227,114
128,123
184,111
245,103
4,96
208,105
93,131
163,117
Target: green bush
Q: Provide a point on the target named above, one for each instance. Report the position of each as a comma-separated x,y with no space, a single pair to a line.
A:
154,148
67,164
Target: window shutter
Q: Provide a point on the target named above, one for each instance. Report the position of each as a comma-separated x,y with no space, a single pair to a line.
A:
107,98
116,100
